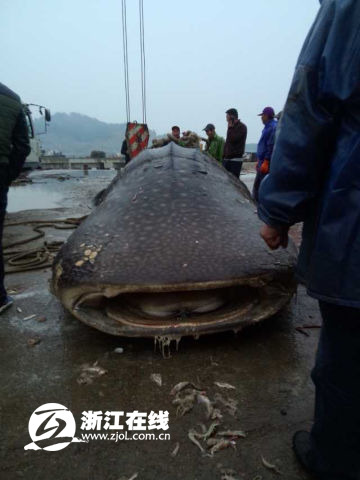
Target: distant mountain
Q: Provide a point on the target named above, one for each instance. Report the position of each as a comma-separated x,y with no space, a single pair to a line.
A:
76,134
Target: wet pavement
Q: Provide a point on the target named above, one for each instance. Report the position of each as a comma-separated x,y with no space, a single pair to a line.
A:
58,188
42,362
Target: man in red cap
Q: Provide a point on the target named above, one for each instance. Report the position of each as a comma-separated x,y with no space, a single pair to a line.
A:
264,148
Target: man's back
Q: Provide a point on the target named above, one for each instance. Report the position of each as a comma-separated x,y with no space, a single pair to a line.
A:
10,107
14,140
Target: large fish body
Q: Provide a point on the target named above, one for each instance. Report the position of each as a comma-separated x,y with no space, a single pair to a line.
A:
173,249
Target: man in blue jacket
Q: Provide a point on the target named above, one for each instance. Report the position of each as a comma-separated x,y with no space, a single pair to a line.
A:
315,178
264,148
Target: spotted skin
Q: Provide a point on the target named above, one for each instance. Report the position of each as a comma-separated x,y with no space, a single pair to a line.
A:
173,220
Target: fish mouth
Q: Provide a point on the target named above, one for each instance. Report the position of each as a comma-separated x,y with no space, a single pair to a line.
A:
178,310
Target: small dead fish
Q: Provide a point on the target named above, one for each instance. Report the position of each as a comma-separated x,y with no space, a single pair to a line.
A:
96,370
135,475
210,442
192,437
211,430
180,386
176,449
225,385
203,427
18,309
33,341
185,404
204,400
29,317
156,378
216,414
89,372
228,474
270,466
232,433
220,445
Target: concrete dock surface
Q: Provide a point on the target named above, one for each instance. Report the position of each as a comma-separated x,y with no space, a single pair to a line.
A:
44,352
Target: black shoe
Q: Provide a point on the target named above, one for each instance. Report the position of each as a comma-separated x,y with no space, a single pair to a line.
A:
302,449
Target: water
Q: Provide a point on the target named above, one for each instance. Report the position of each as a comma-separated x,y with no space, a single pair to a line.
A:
47,191
248,179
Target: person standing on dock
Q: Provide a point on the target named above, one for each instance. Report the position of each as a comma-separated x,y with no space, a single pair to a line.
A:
234,147
315,178
265,148
14,148
214,143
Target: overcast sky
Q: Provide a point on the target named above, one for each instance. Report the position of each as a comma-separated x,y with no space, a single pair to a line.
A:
202,57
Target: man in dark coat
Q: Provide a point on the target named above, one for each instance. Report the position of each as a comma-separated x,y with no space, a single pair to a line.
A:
235,142
14,148
315,178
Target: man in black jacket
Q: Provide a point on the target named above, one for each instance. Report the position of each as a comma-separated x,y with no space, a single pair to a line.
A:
14,148
235,142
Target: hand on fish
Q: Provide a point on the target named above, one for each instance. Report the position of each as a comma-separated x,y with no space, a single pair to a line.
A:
275,237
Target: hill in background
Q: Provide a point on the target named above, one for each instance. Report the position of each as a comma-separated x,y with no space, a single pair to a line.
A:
76,134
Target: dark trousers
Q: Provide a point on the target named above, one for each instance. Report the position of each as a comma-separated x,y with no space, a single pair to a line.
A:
3,203
258,179
233,167
336,375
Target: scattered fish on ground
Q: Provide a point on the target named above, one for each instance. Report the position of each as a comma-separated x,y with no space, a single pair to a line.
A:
156,378
184,404
30,317
204,400
89,373
176,449
225,385
270,466
135,475
228,474
211,430
181,385
232,433
33,341
221,444
192,436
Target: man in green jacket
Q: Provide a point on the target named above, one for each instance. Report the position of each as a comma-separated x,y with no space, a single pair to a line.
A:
214,143
14,148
